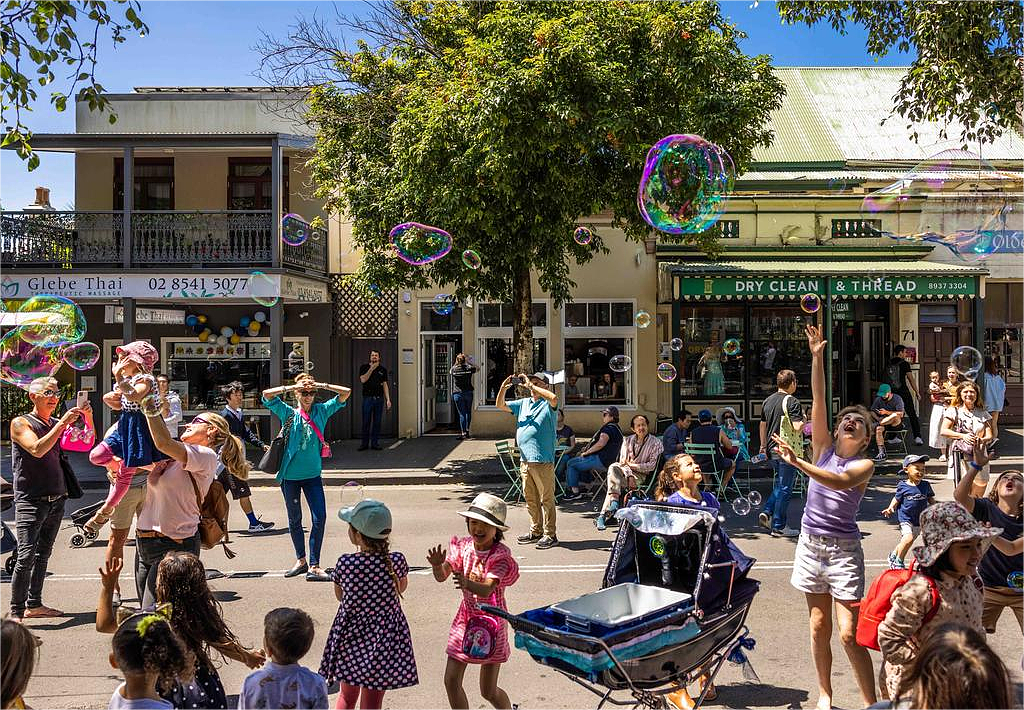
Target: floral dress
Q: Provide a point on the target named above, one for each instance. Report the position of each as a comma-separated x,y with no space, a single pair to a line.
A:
369,644
478,565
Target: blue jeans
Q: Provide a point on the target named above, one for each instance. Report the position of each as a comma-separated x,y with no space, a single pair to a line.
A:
580,465
464,406
777,504
313,489
373,414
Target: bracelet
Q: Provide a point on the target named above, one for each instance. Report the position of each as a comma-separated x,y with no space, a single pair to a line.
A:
975,466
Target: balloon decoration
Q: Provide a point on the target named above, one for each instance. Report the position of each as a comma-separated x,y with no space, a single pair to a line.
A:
247,326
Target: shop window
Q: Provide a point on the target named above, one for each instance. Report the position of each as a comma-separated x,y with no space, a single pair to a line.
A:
499,315
853,228
1003,345
707,370
249,184
432,321
499,358
1003,303
778,341
603,314
588,377
730,228
494,330
154,183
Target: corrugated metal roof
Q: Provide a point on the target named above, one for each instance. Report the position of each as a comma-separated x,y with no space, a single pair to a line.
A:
823,268
217,89
835,114
855,174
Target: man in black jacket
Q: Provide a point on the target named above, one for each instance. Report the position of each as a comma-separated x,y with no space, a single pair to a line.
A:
236,423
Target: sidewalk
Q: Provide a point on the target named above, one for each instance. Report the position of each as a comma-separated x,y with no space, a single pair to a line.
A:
446,459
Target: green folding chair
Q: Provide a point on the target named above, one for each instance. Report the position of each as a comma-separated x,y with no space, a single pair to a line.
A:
560,453
652,480
508,455
714,475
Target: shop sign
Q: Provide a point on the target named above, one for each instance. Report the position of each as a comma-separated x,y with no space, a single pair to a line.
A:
841,308
741,287
904,286
1008,241
162,316
298,289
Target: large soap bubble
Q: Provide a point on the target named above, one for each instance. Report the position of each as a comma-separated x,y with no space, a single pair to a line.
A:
967,361
419,244
51,321
294,230
685,184
21,361
954,199
82,356
620,363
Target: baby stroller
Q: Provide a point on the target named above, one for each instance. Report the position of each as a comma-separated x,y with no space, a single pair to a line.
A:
79,518
672,607
8,543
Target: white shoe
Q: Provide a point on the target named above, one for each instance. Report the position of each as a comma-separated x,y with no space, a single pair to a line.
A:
942,458
786,532
918,441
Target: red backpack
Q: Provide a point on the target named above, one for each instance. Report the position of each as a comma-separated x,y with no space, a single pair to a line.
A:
878,601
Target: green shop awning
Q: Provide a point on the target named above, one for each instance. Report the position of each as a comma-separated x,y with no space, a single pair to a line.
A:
788,280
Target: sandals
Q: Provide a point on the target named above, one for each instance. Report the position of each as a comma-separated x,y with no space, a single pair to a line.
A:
96,522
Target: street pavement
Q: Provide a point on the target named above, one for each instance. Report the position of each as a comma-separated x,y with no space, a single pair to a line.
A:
73,670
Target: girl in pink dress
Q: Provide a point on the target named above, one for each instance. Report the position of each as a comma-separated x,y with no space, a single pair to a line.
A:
482,568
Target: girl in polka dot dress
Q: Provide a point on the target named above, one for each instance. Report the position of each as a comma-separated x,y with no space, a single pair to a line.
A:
482,568
369,647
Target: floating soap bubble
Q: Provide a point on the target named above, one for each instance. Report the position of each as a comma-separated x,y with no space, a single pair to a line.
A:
471,259
150,404
685,184
583,236
754,497
444,304
264,291
620,363
954,199
419,244
50,321
351,493
967,361
810,303
676,344
642,319
21,361
741,506
666,371
309,366
294,230
82,356
1015,580
731,347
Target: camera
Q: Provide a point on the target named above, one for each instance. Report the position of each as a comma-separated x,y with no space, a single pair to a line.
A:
517,380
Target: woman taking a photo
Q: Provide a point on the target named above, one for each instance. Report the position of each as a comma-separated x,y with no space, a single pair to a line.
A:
301,464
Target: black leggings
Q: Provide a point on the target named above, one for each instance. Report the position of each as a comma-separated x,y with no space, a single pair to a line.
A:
149,551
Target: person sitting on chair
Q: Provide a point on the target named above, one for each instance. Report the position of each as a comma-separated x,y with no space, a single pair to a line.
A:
638,458
888,408
710,433
598,455
736,432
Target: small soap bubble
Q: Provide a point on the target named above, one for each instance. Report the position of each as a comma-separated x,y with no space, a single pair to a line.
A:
967,361
583,236
731,347
810,303
21,361
620,363
666,371
51,321
294,230
676,344
351,493
444,304
741,506
309,366
419,244
754,497
82,356
264,291
150,405
642,319
471,259
1015,580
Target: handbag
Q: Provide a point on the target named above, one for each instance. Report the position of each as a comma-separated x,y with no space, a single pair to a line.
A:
325,448
274,456
75,439
481,637
790,435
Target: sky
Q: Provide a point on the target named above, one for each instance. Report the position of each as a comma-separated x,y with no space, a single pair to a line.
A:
211,44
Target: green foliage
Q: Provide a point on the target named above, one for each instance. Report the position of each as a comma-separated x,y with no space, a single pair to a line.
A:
968,65
40,39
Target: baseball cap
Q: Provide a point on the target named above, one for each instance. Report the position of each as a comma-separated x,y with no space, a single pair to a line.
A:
884,390
705,415
914,458
370,517
613,412
543,376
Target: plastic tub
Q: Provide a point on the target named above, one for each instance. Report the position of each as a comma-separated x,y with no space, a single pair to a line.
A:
621,604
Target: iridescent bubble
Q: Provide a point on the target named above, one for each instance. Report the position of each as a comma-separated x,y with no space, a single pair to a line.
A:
754,497
741,506
1015,580
666,371
583,236
685,184
810,303
21,361
676,344
642,319
620,363
351,493
419,244
967,361
50,321
294,230
471,259
444,304
82,356
264,291
731,347
309,366
150,404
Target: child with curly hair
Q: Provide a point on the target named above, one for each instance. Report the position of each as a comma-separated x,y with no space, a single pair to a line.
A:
151,657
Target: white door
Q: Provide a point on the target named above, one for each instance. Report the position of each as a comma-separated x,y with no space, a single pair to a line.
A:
443,355
428,420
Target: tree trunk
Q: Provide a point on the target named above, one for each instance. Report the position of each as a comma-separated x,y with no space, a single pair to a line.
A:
522,329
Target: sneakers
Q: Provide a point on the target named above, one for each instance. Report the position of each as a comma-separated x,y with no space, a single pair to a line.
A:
942,458
570,496
764,520
94,524
599,523
918,441
881,457
260,526
895,562
547,542
893,441
785,532
528,538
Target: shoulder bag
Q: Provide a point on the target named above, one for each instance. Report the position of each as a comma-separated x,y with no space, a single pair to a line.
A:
274,456
790,435
213,516
325,448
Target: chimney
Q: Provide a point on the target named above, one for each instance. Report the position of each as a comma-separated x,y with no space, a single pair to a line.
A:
42,203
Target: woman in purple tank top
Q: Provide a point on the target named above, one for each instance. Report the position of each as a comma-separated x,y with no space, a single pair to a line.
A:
829,563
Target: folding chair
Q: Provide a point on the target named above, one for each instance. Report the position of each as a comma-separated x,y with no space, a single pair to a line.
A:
900,435
652,481
560,453
714,475
509,458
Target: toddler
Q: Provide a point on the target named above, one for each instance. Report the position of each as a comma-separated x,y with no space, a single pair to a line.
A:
282,682
149,654
129,446
482,567
369,647
912,497
937,394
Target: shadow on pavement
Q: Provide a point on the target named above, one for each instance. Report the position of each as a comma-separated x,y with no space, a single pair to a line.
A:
740,695
68,621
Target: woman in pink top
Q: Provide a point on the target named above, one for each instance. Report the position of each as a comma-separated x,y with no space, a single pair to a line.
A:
829,563
169,520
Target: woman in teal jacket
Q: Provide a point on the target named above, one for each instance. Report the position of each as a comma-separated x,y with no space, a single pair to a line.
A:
301,465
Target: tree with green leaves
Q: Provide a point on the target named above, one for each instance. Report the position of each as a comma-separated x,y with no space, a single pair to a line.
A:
55,44
968,56
506,123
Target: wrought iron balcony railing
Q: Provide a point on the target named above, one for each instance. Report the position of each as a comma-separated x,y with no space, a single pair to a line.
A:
197,239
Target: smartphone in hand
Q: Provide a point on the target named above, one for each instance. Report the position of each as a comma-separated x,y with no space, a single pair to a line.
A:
83,398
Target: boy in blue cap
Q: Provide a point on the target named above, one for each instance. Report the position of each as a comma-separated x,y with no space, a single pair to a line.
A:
912,497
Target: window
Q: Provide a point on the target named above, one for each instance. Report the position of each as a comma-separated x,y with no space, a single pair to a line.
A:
595,332
599,315
432,321
499,315
249,184
778,341
154,184
1003,317
730,228
845,228
708,368
937,313
497,358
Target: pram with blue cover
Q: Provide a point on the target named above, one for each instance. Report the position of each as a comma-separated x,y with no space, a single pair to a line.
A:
673,603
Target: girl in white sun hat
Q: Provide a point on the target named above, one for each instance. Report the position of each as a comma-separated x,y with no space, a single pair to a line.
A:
482,567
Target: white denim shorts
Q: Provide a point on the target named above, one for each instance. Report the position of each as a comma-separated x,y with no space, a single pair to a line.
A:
829,565
909,529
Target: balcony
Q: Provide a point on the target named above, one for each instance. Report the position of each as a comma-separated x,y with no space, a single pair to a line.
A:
195,239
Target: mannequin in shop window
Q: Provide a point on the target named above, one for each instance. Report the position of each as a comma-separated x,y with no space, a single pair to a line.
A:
710,367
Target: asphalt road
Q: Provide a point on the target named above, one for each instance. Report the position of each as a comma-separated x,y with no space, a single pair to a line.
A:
74,672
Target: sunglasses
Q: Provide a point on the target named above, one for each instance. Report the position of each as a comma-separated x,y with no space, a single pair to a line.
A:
48,393
307,393
198,420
